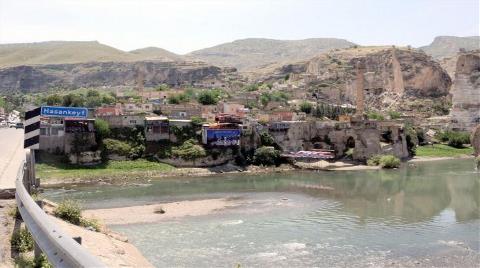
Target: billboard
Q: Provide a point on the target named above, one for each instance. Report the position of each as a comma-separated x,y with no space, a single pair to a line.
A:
223,137
56,111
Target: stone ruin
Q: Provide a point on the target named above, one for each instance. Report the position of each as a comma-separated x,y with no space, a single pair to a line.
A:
465,113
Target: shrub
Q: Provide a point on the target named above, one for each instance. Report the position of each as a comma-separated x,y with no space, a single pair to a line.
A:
22,240
266,139
374,160
102,128
178,98
306,107
411,137
90,223
375,115
69,210
458,139
117,147
389,161
208,97
189,150
394,114
266,155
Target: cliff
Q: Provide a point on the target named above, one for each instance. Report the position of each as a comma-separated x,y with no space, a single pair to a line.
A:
448,46
395,78
465,92
95,74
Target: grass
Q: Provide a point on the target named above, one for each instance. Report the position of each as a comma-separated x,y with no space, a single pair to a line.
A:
54,168
442,150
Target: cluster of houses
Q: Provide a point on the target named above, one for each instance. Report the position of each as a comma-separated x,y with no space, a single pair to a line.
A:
223,123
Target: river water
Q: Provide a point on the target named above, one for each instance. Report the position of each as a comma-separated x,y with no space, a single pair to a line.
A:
422,215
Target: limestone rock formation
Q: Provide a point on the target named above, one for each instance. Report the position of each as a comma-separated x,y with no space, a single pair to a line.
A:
465,92
95,74
395,78
475,140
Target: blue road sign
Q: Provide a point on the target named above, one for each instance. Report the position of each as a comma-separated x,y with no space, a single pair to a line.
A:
55,111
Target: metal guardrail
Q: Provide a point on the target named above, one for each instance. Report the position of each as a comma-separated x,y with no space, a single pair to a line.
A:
61,250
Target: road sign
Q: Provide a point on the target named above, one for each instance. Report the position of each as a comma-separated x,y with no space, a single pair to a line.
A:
32,129
55,111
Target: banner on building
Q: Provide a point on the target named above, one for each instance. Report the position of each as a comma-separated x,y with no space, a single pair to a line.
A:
32,129
223,137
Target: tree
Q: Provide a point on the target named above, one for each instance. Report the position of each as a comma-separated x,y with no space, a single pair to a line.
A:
207,97
102,128
266,155
73,100
189,150
53,99
306,107
266,139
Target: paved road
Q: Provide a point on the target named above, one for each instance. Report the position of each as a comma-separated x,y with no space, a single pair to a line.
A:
11,155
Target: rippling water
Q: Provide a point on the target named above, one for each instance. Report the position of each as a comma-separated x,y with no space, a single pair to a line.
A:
426,215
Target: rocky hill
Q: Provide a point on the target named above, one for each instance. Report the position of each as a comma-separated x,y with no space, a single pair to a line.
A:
448,46
61,52
395,78
250,53
96,74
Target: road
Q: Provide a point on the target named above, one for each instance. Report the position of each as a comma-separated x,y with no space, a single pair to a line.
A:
11,156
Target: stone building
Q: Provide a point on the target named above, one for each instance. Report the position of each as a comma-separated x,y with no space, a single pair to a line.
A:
465,113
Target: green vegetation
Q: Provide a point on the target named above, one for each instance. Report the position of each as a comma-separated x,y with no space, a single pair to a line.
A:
277,96
102,129
71,211
117,147
178,98
385,161
375,115
266,139
29,262
91,98
455,139
394,114
306,107
267,156
22,240
209,97
55,168
442,150
330,111
189,150
163,87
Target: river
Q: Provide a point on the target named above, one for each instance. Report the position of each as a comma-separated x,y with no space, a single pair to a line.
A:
426,214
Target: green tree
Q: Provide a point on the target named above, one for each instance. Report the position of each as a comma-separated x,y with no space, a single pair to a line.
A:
53,99
266,139
102,128
73,100
306,107
189,150
207,97
266,155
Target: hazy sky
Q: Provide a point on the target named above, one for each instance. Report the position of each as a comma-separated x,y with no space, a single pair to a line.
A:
185,25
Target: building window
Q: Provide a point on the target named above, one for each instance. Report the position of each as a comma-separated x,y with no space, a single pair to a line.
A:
43,131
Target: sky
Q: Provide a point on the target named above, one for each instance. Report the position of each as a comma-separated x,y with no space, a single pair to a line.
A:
182,26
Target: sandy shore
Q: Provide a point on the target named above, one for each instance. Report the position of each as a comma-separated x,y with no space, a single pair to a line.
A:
152,213
426,159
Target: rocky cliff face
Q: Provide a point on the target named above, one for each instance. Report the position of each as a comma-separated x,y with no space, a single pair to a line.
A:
398,79
465,92
95,74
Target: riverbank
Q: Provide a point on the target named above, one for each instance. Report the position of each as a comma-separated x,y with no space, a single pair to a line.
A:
159,212
55,173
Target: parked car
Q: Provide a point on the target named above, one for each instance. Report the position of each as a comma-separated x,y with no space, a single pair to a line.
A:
19,125
11,124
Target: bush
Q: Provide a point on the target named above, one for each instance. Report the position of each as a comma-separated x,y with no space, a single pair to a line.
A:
375,116
189,150
178,98
22,240
117,147
90,223
394,114
266,155
374,160
266,139
208,97
306,107
454,138
389,161
102,128
69,210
